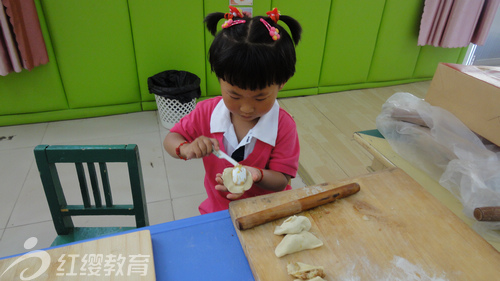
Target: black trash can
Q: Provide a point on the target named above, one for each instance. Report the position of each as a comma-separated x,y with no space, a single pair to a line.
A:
175,93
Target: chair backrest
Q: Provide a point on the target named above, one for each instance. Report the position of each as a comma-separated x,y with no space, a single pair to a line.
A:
48,155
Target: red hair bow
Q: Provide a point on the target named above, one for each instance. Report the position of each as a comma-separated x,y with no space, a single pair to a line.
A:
274,15
233,12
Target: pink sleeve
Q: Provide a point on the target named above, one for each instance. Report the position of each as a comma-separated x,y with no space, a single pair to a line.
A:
185,128
285,154
197,122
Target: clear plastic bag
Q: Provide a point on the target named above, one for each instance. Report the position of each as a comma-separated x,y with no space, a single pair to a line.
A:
438,143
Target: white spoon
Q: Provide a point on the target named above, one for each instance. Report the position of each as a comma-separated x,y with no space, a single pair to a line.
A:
239,172
223,155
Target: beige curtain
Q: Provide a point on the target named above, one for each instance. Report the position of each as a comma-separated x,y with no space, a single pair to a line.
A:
456,23
21,39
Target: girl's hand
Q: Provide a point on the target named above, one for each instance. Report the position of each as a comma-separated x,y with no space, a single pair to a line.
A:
220,187
200,147
256,174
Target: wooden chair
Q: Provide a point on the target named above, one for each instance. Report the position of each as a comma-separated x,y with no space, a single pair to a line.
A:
46,158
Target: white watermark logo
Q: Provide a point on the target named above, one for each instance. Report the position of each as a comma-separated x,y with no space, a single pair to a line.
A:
103,265
83,265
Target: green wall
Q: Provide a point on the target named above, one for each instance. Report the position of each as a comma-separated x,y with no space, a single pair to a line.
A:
102,52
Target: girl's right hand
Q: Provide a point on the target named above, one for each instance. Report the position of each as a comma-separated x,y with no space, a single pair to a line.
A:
200,147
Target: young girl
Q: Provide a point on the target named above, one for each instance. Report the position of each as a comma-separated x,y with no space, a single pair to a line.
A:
253,59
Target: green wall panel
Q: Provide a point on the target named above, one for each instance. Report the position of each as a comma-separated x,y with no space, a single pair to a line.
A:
93,45
396,52
350,41
298,92
314,22
102,52
33,91
430,57
168,35
211,6
66,114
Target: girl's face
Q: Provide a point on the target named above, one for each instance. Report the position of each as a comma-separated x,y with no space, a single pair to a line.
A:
247,105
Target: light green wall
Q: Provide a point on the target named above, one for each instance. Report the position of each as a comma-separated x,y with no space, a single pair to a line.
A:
102,52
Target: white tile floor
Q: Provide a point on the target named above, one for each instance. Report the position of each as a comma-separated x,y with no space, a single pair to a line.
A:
174,188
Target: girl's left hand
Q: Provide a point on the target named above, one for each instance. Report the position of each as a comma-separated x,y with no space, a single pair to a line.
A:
220,187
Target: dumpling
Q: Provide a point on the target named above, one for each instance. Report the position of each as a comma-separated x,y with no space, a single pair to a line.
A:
317,278
305,271
293,225
292,243
227,177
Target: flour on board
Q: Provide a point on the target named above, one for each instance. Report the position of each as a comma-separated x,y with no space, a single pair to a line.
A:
405,270
400,270
311,190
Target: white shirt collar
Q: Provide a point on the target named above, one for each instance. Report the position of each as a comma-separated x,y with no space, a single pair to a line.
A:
265,130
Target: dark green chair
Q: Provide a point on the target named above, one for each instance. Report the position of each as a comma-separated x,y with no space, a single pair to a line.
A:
46,158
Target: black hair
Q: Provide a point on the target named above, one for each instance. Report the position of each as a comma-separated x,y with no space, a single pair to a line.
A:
245,55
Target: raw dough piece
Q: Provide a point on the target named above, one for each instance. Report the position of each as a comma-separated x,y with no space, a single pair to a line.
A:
227,177
313,279
293,225
297,242
305,271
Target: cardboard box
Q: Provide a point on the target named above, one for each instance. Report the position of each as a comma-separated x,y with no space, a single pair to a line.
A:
472,94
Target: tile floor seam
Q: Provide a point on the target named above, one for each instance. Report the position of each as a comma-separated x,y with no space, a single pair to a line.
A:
44,132
158,201
191,195
26,224
25,146
20,192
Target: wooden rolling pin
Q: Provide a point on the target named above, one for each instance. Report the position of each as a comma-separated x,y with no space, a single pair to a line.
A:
296,206
487,213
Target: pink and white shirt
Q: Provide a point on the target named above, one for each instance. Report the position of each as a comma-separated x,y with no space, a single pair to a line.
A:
272,144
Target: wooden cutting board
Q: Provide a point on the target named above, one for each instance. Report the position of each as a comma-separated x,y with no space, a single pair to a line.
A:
122,257
392,229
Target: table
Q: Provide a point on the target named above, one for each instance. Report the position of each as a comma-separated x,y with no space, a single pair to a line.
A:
204,247
385,157
207,247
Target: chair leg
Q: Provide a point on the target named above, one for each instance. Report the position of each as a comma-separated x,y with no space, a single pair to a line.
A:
53,191
137,185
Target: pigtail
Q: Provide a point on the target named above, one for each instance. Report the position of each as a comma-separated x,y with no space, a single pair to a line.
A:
294,27
212,21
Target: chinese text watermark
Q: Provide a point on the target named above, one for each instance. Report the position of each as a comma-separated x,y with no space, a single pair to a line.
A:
82,264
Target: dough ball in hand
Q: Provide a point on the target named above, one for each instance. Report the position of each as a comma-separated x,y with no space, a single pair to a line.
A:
236,187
